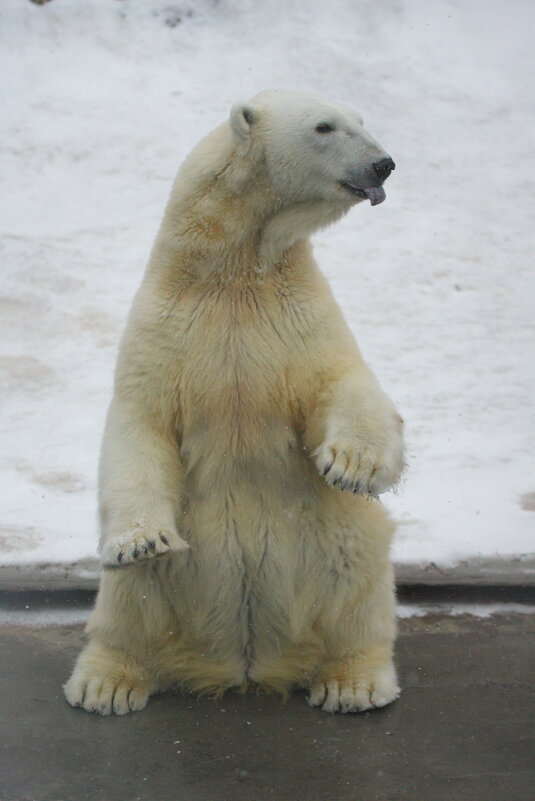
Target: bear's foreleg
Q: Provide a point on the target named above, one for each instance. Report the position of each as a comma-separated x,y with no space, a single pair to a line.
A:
140,486
359,435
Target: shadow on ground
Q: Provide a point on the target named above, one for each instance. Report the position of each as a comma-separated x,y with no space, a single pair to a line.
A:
459,732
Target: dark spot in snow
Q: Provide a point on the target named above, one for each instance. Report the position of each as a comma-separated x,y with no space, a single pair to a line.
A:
527,501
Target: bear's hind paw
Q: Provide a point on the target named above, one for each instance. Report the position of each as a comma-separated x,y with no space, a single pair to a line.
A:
357,695
105,696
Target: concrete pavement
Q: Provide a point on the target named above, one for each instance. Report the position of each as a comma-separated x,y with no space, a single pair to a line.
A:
461,731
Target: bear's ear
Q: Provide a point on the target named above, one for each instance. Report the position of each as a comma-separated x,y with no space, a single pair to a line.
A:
242,118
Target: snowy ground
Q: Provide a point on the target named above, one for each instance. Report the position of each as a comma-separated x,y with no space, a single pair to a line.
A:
101,101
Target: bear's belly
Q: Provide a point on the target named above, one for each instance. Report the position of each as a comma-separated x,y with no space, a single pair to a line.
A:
236,479
263,562
246,473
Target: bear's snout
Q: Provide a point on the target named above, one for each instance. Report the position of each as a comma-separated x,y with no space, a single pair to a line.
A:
383,168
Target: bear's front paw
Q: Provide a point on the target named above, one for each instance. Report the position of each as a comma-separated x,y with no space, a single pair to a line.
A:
360,466
140,544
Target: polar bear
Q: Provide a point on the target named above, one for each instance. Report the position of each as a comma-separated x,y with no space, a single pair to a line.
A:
243,542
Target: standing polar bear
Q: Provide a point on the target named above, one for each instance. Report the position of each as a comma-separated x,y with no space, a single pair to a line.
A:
247,440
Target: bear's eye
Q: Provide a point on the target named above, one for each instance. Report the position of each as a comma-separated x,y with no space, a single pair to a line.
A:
325,127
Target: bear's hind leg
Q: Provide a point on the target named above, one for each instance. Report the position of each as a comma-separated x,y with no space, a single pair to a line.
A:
106,680
357,671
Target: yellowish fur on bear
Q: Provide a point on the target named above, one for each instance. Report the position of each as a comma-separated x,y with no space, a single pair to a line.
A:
241,536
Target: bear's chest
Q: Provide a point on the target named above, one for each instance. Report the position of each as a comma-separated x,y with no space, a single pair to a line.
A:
236,351
238,390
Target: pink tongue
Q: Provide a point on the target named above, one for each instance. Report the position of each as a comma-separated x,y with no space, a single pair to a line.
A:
376,194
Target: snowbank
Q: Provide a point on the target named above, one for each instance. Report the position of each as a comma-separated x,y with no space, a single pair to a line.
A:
102,100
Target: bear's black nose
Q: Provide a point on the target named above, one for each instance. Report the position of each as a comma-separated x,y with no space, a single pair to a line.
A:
383,168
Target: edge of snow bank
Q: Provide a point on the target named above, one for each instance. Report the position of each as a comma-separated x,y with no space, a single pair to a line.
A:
83,574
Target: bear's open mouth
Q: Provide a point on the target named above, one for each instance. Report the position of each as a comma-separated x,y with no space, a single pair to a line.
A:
375,194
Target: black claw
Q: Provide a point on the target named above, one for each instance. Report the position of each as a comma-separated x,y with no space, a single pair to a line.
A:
120,556
164,539
356,487
152,545
135,553
145,548
327,468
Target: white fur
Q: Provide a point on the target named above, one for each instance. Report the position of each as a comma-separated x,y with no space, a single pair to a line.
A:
228,558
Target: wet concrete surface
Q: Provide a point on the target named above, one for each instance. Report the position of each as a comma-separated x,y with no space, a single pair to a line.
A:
461,731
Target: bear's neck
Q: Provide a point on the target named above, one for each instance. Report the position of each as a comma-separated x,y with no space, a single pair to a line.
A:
242,235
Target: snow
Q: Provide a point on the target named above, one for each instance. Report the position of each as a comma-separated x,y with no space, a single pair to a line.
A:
101,102
458,609
40,616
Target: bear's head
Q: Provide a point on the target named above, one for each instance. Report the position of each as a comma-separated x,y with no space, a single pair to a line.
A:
313,151
284,165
